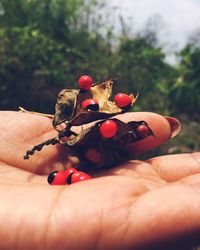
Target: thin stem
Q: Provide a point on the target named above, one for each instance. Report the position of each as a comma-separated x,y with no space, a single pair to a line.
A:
35,113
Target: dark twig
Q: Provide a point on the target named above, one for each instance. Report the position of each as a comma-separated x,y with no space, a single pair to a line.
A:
40,146
53,141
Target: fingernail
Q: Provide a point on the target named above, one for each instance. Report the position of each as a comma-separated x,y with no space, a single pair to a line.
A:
174,124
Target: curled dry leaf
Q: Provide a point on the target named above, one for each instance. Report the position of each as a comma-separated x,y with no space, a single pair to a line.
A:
65,106
69,105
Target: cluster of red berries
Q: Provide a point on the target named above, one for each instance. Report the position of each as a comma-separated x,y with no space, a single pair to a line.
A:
107,129
85,83
69,176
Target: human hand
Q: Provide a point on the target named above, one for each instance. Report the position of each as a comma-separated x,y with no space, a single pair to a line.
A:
140,204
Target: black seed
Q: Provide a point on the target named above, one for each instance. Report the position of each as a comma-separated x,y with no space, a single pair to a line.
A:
51,176
93,107
69,179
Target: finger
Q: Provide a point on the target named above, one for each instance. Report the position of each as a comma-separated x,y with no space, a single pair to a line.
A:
117,218
29,130
163,128
11,175
163,216
20,132
191,179
55,216
175,167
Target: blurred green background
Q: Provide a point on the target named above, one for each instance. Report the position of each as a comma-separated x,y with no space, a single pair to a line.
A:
47,45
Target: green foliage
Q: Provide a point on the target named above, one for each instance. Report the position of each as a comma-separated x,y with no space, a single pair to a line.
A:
40,13
39,51
186,90
46,45
142,67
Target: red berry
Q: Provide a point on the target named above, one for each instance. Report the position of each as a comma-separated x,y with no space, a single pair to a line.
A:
142,131
85,82
108,129
90,104
70,171
122,100
57,178
93,155
80,176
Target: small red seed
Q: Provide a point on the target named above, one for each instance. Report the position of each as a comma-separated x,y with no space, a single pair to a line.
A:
57,178
85,82
70,171
93,155
108,129
142,130
90,104
80,176
122,100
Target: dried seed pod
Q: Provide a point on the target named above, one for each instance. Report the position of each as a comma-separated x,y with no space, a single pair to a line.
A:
69,105
94,148
111,151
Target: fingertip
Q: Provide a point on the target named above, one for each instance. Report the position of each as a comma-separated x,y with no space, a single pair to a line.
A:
163,129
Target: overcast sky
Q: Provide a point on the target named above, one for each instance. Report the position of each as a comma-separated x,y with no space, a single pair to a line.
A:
179,17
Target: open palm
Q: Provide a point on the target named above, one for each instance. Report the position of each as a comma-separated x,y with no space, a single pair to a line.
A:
137,205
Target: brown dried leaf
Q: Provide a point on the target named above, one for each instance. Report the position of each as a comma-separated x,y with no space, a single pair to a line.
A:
102,93
69,105
64,109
